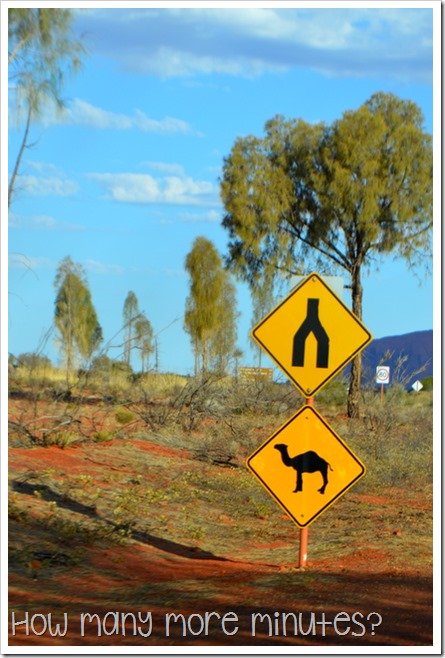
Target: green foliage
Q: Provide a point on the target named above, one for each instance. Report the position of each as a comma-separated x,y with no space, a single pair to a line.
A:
427,383
102,435
61,439
331,197
224,338
334,393
41,52
101,365
262,291
144,339
75,315
124,416
33,361
210,314
337,194
121,367
31,370
395,441
130,314
138,332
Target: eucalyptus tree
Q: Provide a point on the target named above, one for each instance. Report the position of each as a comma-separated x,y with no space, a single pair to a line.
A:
210,307
223,340
336,197
144,339
42,51
262,293
80,333
130,316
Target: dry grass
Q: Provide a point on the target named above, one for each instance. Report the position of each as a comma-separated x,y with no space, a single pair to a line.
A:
174,467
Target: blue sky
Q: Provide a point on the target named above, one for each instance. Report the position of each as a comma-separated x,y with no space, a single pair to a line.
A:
127,178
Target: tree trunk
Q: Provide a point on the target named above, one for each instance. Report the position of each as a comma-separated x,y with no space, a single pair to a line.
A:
196,351
353,406
205,355
18,161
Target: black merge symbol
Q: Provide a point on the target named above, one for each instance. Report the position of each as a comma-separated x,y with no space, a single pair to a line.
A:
308,462
311,325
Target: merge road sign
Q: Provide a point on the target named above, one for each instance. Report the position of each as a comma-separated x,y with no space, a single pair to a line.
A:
311,335
305,466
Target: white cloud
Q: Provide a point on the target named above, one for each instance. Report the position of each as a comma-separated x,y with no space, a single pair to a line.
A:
44,168
247,41
46,186
96,267
48,180
263,22
165,167
81,113
170,62
169,125
41,223
22,262
210,217
144,188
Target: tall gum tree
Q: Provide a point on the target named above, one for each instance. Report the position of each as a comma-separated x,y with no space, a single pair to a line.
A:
42,52
144,339
131,314
223,342
210,308
336,197
74,315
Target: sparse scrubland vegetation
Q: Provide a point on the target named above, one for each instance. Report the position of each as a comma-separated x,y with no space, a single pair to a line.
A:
150,471
213,423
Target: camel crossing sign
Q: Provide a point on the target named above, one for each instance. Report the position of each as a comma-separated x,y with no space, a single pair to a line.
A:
305,466
311,335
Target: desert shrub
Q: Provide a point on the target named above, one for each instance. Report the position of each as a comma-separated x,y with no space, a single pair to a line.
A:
427,383
103,435
335,392
394,440
61,439
34,372
33,361
124,416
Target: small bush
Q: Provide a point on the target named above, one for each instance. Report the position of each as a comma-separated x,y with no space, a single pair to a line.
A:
427,383
61,439
102,435
124,416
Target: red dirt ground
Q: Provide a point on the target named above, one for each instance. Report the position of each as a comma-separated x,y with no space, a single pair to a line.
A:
156,575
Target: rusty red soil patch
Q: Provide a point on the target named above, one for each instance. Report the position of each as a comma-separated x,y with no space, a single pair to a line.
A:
146,564
72,458
362,560
160,450
381,500
76,458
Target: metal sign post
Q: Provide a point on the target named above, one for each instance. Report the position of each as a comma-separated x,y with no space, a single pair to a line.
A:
304,532
382,378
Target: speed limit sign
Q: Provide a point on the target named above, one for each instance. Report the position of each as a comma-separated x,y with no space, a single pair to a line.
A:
382,375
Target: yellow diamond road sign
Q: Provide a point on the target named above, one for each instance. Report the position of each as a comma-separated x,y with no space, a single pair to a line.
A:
311,335
305,466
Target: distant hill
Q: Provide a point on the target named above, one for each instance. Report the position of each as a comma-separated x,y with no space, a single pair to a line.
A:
416,346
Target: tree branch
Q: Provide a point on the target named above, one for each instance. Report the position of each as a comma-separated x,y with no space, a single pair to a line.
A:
340,259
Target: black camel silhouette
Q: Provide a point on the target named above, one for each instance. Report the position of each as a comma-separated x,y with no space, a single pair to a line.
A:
307,462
